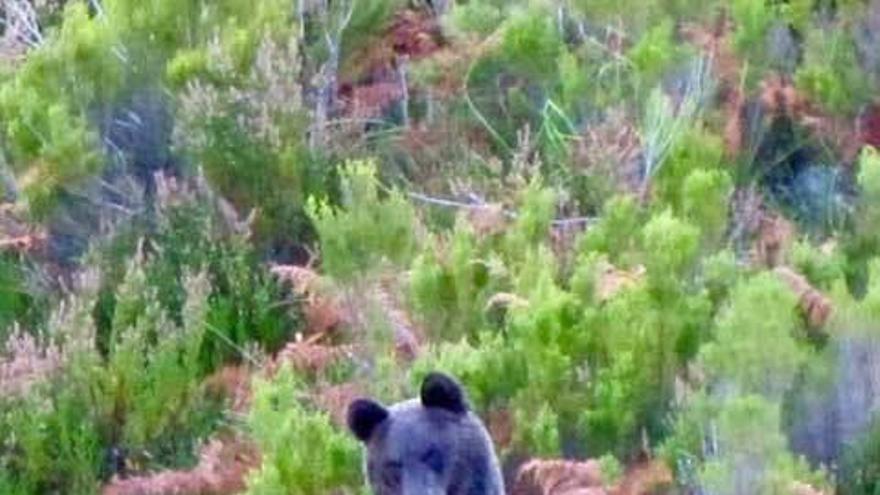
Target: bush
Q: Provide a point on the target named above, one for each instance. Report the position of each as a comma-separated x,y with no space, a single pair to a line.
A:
831,73
860,465
367,229
539,434
140,398
755,350
489,370
752,454
246,304
243,122
302,453
49,444
450,290
531,45
654,54
861,239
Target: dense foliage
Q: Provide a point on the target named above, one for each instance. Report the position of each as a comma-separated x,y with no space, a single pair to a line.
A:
632,229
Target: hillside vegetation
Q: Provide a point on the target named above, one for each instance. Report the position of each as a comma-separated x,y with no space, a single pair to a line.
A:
642,233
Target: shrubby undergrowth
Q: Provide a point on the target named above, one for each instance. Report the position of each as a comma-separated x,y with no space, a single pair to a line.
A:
632,229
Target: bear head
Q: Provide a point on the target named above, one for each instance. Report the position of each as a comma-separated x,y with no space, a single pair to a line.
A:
433,445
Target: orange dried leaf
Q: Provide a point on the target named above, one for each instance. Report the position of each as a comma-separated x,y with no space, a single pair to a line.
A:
557,477
817,307
222,469
613,280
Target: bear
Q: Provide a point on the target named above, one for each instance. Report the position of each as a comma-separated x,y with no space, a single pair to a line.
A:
431,445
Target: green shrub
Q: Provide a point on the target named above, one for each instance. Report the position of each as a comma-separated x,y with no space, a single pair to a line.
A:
862,241
671,247
720,273
536,212
655,53
243,122
696,149
20,300
479,18
539,434
140,397
860,465
616,232
822,265
753,19
52,436
756,350
645,336
153,365
367,229
302,453
450,290
705,199
247,304
830,73
491,372
531,45
753,455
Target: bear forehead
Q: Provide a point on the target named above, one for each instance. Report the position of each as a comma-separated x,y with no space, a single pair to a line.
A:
412,428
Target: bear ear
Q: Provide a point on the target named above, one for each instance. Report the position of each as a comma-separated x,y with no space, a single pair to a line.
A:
442,391
364,415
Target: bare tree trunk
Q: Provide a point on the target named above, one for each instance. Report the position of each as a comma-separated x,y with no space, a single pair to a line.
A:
404,90
327,78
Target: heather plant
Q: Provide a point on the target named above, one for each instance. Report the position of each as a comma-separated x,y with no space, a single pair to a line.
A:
245,128
831,73
51,438
153,394
862,240
80,409
247,304
369,227
20,300
755,349
751,454
697,149
65,107
490,370
450,289
754,20
50,443
302,452
655,54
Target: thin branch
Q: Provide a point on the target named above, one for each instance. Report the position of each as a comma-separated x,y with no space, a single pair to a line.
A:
449,203
21,15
